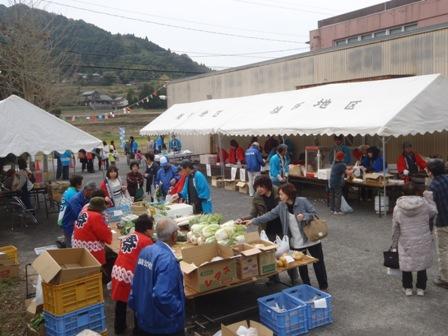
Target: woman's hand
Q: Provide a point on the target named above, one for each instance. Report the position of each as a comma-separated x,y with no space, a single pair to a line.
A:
108,200
124,188
300,217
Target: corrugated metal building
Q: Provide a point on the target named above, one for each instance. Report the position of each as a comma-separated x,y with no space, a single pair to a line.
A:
422,51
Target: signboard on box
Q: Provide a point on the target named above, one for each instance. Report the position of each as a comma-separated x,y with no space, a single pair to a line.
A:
202,274
9,271
64,265
217,181
247,264
266,259
231,329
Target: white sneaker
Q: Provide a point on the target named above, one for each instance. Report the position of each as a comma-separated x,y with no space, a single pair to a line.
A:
407,291
420,292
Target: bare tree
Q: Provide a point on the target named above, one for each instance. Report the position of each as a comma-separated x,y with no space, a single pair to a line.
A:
30,64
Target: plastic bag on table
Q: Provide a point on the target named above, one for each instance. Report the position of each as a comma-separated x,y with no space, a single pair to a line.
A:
282,245
264,236
345,207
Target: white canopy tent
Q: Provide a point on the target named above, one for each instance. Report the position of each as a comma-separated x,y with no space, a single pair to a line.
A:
26,128
411,105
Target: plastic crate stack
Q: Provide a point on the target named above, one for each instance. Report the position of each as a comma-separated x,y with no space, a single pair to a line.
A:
74,306
296,310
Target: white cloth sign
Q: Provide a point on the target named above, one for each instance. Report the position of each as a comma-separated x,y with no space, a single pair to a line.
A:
243,174
233,171
208,169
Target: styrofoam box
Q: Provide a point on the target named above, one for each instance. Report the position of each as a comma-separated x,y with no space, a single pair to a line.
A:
324,174
179,210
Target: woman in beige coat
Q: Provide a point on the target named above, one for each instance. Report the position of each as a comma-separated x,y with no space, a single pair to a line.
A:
412,235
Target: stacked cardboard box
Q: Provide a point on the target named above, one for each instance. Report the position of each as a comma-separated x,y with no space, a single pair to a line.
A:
72,291
9,262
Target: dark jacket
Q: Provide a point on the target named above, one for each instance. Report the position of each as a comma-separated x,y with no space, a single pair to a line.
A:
152,173
72,210
157,296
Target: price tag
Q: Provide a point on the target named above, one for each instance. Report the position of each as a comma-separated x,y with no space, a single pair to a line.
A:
243,174
208,169
233,171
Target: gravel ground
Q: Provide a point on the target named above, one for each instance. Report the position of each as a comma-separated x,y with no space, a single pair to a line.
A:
366,300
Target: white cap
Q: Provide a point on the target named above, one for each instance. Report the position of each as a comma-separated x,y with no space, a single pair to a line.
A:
163,161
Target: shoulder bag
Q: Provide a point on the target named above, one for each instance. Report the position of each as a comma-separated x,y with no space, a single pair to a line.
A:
316,229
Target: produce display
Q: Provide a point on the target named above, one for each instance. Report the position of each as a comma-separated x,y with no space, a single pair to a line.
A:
127,224
286,258
206,229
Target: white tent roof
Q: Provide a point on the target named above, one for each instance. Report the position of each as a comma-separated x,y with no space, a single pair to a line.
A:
26,128
411,105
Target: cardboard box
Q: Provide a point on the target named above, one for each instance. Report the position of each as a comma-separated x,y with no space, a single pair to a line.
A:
230,330
243,187
217,181
208,159
247,263
9,271
64,265
230,185
266,259
202,275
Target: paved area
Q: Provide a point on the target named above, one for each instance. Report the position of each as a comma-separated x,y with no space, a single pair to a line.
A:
366,300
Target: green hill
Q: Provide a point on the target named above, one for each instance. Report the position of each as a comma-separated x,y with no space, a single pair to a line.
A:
89,49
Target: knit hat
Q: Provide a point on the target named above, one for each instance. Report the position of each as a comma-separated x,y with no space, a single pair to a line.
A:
340,156
163,161
97,204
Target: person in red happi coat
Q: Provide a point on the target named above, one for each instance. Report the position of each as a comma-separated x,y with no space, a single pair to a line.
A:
123,270
91,230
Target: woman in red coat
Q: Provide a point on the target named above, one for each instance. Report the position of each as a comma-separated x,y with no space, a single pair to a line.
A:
236,153
123,270
91,231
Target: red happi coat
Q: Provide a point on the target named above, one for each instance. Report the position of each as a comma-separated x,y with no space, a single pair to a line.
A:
123,270
91,231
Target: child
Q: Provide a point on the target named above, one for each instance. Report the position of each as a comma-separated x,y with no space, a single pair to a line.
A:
123,270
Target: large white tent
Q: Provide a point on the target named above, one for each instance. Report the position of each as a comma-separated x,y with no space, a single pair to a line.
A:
26,128
404,106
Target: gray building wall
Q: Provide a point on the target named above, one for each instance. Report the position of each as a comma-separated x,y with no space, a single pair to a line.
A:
422,52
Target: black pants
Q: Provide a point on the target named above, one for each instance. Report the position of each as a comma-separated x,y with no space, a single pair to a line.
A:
179,333
319,267
65,172
120,316
421,280
335,198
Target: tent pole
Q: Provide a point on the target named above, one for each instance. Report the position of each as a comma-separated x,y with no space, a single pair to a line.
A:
384,175
221,159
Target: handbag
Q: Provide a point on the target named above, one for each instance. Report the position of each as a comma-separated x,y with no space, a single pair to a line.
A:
139,193
391,259
316,229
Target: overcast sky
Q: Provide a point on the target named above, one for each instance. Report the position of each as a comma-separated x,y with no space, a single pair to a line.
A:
269,28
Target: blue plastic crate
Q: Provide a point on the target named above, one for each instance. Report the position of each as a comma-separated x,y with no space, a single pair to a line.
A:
71,324
111,217
290,322
307,294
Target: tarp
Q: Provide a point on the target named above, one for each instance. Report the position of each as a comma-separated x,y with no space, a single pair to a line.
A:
26,128
394,107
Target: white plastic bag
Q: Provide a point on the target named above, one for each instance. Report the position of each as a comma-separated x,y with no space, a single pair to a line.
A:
345,207
39,299
264,236
282,245
393,272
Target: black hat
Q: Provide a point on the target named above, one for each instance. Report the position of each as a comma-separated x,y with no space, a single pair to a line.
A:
97,204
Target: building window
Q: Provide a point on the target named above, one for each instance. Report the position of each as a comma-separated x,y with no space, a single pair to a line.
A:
380,33
410,27
367,37
341,42
395,30
352,40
